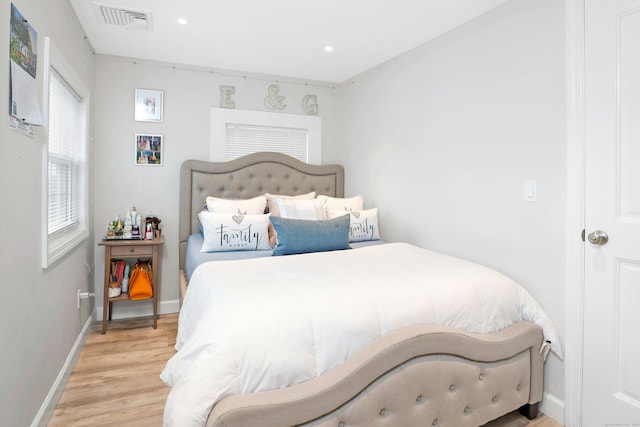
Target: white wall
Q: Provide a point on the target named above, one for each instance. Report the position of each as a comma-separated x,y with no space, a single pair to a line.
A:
189,94
442,138
40,321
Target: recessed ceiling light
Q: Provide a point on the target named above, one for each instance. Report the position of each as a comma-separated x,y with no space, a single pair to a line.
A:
182,21
328,48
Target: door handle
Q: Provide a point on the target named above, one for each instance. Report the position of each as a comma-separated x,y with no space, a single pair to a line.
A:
598,237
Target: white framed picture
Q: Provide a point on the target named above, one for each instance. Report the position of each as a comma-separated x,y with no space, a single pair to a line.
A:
148,105
148,149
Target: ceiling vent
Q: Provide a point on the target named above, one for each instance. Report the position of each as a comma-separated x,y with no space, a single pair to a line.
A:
124,18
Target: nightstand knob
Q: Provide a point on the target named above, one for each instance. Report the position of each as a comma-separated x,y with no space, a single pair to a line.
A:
132,250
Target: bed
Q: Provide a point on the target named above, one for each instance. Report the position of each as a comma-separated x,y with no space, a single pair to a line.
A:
244,178
375,357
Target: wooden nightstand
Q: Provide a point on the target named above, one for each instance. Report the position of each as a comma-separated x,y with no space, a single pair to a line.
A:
130,249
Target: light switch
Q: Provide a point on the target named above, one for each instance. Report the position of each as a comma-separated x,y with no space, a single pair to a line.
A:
530,190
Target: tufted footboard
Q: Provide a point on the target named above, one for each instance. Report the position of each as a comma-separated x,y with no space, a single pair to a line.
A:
423,375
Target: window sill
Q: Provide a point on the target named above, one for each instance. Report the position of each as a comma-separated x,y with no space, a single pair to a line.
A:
59,246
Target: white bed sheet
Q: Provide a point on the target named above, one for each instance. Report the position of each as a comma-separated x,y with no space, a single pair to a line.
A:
266,323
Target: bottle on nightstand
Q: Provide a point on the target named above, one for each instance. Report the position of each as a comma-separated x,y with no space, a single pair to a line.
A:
125,280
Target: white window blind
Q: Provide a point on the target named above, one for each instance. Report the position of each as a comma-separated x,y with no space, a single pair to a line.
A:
295,134
246,139
66,154
65,195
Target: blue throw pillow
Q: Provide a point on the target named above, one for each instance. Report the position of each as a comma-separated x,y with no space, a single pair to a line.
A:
298,236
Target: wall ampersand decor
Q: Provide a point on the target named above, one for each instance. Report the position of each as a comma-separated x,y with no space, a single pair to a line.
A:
273,101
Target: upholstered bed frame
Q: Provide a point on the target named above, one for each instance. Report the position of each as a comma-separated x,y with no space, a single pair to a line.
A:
423,375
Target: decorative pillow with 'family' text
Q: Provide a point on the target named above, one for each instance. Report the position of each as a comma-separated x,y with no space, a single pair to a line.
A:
234,232
363,224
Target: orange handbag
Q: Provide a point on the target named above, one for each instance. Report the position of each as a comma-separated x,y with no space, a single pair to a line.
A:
141,281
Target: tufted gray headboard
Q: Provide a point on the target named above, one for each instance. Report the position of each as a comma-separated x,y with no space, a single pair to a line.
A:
247,177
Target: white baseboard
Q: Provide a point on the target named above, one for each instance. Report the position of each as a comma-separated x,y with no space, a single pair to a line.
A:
131,309
50,402
552,407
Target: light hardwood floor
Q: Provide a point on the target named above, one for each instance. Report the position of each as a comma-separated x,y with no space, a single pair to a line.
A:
116,380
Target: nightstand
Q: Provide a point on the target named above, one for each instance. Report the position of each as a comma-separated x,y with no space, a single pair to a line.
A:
130,249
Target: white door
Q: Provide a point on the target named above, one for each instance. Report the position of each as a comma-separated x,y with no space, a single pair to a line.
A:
611,376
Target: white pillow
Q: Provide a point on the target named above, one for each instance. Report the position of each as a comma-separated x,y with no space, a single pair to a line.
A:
254,206
273,207
354,203
236,232
300,208
363,224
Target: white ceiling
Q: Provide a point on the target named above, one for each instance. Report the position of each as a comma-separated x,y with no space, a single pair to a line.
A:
278,37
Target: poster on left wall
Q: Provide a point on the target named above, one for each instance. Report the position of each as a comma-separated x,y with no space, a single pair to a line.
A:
24,108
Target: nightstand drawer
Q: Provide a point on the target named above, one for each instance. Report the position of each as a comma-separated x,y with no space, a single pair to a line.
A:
133,250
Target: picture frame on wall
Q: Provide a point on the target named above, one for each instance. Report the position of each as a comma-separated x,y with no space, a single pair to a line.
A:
148,149
149,105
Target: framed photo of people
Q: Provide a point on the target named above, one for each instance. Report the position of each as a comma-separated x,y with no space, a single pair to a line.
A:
148,105
149,149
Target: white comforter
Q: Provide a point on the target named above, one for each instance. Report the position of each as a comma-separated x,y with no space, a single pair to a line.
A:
259,324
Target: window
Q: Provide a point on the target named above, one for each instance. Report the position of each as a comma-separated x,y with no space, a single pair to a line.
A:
66,173
235,133
246,139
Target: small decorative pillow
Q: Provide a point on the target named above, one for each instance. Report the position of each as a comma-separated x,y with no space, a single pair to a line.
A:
254,206
354,203
363,225
300,208
298,236
238,232
273,207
